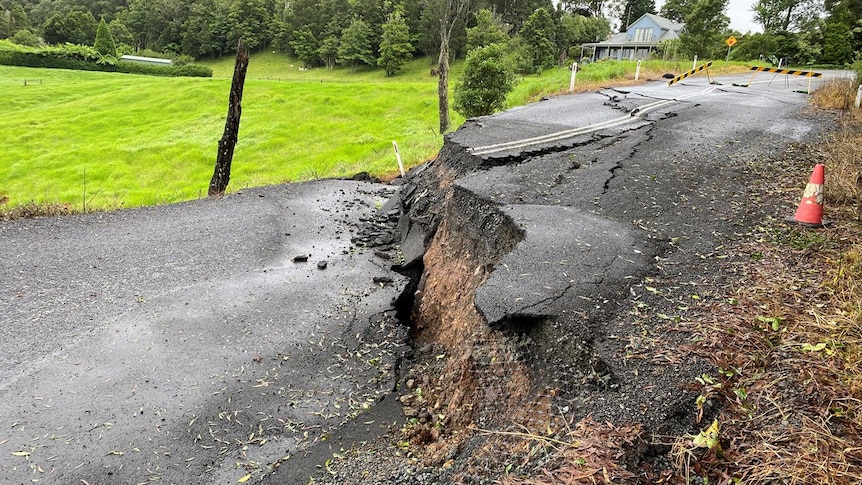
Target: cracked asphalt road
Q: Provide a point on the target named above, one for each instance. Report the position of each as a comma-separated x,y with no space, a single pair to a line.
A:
182,344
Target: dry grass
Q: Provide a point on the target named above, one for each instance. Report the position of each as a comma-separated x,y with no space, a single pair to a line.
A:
590,452
31,210
788,342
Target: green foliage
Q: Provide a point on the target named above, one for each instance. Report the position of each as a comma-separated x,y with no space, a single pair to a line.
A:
705,27
667,49
677,10
355,45
76,27
17,19
575,29
635,9
837,43
85,58
120,33
104,40
250,20
328,51
26,37
4,25
786,15
395,46
305,46
488,78
489,29
516,13
790,46
539,33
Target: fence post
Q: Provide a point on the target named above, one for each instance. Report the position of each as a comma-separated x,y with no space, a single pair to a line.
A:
398,157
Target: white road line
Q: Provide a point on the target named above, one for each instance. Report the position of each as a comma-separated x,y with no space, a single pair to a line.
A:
561,135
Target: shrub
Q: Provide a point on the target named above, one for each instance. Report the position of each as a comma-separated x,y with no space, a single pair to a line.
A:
487,79
104,40
85,58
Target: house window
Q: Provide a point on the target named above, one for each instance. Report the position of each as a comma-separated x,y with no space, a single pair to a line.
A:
643,35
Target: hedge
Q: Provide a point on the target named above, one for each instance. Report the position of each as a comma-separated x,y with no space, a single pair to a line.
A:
84,58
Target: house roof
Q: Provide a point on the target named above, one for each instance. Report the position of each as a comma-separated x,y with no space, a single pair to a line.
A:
669,30
663,23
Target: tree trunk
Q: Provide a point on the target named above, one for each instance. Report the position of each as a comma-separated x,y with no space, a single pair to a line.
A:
443,85
221,175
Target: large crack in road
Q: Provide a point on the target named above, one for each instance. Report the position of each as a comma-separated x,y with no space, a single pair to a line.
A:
546,279
564,307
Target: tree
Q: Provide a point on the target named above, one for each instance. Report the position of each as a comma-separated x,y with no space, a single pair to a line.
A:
516,12
305,46
575,29
227,143
837,43
206,30
328,51
355,45
4,24
104,43
453,9
76,28
250,21
677,10
704,29
785,15
395,46
635,9
488,78
539,32
26,37
489,29
120,33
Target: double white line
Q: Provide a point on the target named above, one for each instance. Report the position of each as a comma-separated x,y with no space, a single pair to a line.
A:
562,135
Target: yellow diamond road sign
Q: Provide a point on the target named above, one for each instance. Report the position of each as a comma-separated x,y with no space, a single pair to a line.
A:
730,41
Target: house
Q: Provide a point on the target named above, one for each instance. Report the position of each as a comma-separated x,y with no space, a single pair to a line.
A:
153,61
637,41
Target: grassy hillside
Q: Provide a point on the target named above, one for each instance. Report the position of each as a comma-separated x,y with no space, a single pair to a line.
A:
108,140
105,140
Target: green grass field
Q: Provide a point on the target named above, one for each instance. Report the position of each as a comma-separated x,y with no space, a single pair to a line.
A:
106,140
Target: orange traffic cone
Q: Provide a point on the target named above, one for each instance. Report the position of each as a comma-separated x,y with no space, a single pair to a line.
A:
810,211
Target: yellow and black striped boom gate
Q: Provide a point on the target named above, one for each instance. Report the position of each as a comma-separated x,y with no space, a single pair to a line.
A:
689,73
778,70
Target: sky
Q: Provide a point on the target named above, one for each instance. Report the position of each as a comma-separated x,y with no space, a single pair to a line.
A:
739,11
741,16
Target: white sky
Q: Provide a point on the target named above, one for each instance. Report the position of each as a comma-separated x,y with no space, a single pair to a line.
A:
739,11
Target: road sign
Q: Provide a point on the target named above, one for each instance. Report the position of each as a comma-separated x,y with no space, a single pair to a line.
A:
730,41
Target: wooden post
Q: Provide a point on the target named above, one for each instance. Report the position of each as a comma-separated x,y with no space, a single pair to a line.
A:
221,175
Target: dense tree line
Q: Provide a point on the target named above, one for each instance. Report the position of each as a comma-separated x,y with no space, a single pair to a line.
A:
318,32
537,33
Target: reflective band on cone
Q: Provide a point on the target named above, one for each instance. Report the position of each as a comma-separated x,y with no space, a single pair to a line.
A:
810,211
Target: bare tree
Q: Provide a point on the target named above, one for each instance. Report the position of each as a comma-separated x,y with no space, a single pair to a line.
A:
451,12
221,175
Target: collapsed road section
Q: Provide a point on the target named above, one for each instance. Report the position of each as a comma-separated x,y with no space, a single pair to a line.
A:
554,276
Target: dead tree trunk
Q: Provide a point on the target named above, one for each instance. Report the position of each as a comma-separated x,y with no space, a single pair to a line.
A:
443,85
221,175
453,9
